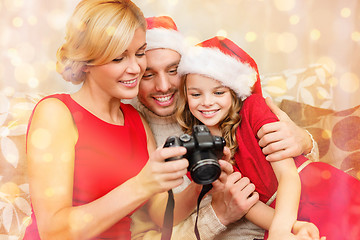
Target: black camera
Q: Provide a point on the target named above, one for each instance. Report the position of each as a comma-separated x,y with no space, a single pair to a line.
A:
203,152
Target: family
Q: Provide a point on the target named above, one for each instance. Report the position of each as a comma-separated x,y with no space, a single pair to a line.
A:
100,172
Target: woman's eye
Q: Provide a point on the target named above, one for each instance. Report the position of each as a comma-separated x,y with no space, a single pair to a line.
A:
140,54
118,59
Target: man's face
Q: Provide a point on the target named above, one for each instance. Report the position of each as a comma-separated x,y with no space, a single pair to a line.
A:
158,89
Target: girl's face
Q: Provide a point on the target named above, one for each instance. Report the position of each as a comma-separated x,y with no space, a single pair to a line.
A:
120,78
208,100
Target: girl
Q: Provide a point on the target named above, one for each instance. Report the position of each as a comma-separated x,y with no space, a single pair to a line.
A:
88,153
216,91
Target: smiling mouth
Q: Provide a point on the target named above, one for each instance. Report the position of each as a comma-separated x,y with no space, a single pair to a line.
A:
208,112
164,100
129,82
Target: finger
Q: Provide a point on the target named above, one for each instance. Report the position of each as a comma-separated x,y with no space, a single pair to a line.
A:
275,109
227,154
268,128
226,167
174,166
164,153
236,177
274,147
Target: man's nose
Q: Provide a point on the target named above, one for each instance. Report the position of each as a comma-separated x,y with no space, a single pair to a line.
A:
162,83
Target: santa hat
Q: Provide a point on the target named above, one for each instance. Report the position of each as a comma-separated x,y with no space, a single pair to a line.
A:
162,32
221,59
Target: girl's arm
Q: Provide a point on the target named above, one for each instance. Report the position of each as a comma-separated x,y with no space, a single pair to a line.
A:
288,194
50,150
287,199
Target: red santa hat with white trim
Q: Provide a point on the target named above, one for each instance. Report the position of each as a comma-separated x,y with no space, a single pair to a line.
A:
162,32
221,59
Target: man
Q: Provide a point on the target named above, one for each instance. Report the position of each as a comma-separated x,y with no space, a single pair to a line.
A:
157,101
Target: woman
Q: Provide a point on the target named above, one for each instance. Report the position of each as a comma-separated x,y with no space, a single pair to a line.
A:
88,154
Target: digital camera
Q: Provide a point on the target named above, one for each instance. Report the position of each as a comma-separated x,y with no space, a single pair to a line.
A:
203,152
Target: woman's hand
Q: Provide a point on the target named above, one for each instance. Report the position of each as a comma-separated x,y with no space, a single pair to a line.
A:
159,175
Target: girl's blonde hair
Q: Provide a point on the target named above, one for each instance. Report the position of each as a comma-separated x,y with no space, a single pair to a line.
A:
97,32
228,125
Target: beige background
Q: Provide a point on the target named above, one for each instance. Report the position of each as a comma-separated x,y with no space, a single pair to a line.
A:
278,34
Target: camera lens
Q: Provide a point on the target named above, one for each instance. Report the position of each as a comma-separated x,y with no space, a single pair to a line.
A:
205,171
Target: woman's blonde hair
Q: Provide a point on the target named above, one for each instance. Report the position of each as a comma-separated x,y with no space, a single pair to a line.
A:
97,32
228,125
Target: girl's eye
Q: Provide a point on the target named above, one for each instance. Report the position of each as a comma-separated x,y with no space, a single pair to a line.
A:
195,94
219,93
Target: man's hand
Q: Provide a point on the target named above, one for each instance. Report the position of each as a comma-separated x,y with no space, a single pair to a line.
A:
235,200
283,139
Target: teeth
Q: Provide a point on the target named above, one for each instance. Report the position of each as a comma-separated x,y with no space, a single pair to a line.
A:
129,82
163,99
209,112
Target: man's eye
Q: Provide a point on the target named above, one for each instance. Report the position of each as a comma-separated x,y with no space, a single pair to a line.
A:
147,75
173,71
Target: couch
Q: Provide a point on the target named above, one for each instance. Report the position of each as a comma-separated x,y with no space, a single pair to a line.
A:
304,94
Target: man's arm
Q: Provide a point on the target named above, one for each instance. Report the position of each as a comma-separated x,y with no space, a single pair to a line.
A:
284,139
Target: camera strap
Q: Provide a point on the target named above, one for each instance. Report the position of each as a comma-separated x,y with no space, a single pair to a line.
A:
169,213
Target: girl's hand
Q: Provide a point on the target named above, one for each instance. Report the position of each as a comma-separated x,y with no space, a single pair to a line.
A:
159,176
306,231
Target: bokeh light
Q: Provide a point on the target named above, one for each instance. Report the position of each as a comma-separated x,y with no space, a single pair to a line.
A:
56,19
284,5
18,22
10,191
315,34
32,20
294,19
24,72
271,42
222,33
349,82
326,134
251,36
41,138
328,62
287,42
355,36
345,12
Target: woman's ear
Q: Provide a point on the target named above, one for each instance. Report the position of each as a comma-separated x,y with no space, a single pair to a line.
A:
85,68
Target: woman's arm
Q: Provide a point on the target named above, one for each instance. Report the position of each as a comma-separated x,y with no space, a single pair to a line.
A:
50,147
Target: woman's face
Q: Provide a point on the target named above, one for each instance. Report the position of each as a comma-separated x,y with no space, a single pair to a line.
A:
208,100
120,78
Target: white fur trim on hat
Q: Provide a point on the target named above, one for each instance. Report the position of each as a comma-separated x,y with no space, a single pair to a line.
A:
165,38
213,63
